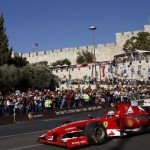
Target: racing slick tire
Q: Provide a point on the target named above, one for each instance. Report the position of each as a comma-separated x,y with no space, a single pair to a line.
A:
96,133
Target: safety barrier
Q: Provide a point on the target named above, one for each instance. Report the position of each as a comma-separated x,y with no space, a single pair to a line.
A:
49,114
55,113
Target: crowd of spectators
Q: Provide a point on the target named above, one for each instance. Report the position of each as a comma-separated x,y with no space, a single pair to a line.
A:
109,80
71,97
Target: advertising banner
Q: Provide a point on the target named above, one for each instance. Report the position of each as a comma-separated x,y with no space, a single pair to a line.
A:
124,71
139,69
109,70
103,71
132,71
148,71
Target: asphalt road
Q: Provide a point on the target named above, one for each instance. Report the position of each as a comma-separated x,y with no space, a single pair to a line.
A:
23,135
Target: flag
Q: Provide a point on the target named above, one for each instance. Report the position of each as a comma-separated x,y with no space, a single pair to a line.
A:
103,71
149,71
109,70
139,69
124,71
35,45
132,71
116,70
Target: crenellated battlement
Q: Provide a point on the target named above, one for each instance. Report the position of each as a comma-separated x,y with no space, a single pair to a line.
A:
122,37
103,52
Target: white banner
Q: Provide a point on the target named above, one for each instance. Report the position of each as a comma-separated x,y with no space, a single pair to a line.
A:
124,71
132,71
148,71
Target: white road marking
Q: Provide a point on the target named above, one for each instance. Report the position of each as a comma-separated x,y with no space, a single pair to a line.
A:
22,134
24,147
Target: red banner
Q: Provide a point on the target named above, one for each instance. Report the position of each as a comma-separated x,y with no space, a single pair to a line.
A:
103,71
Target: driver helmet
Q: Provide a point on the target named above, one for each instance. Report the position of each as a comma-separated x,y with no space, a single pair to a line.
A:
110,114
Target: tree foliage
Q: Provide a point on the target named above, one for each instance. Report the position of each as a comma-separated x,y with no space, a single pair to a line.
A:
5,52
37,76
30,76
25,81
85,56
9,77
45,63
62,62
17,73
40,77
18,61
140,42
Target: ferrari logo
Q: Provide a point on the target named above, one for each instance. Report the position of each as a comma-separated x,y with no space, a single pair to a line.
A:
105,123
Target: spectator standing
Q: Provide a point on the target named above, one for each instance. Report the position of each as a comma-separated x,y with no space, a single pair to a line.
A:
86,99
10,106
48,103
58,103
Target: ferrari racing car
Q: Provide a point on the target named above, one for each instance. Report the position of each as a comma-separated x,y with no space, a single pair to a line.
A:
122,121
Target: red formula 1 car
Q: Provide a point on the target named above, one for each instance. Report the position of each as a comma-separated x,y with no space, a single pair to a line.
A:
126,119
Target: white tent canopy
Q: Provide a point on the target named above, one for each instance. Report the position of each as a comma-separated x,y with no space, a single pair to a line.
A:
141,51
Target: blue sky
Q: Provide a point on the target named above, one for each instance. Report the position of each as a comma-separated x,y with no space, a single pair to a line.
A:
56,24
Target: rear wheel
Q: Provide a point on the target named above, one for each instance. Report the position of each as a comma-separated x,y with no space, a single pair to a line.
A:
96,133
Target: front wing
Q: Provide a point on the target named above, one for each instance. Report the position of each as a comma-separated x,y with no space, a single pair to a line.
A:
66,142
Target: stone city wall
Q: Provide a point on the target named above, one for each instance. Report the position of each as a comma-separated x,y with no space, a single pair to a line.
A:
80,72
103,52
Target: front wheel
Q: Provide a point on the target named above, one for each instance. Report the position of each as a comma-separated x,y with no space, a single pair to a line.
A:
96,133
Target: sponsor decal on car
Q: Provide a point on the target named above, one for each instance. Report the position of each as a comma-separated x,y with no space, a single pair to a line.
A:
83,141
68,129
76,142
113,132
129,122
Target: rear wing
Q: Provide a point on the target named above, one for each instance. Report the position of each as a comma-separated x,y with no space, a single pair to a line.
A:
142,102
126,108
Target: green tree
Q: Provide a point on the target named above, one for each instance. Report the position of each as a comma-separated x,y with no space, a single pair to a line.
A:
85,56
9,77
42,77
18,61
5,52
66,62
140,42
62,62
45,63
80,59
25,81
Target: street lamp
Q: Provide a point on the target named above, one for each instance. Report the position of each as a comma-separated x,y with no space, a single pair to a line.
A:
94,28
